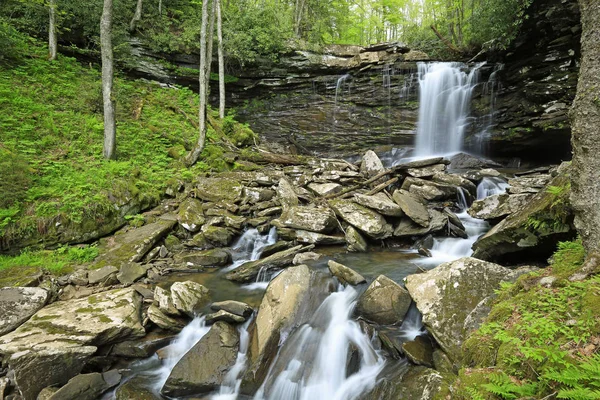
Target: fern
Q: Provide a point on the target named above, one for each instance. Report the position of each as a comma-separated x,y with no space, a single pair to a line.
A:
582,381
475,395
501,385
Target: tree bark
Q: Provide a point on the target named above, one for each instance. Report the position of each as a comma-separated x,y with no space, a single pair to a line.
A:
221,61
159,7
52,41
209,45
446,41
193,155
585,117
107,80
137,15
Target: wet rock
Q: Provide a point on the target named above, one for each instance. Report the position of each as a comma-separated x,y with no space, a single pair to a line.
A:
314,219
455,180
130,273
135,389
371,165
367,220
191,215
207,258
287,195
87,386
277,313
515,237
413,207
498,206
217,236
276,247
248,271
18,304
234,307
203,368
355,241
528,184
381,203
344,274
429,190
141,348
303,258
457,231
426,172
419,351
407,228
219,189
442,363
467,161
419,163
257,195
188,297
225,316
384,302
317,238
102,274
133,245
453,218
268,212
446,295
54,344
163,300
325,189
164,321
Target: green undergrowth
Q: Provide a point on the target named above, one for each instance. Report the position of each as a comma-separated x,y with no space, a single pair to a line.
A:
542,337
52,173
57,261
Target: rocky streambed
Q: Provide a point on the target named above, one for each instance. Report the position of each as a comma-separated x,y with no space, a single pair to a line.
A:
317,278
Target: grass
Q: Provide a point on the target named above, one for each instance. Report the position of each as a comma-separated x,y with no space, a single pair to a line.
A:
51,133
57,261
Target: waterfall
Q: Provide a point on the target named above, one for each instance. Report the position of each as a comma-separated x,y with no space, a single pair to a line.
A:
313,362
250,246
490,187
444,107
490,89
339,87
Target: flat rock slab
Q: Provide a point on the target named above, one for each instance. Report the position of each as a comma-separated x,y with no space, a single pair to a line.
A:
132,246
380,203
325,189
407,228
413,207
87,386
368,221
18,304
247,272
419,163
345,274
313,219
234,307
219,189
191,215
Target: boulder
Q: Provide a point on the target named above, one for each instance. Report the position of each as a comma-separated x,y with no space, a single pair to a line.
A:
248,271
371,165
219,189
325,189
133,245
528,183
381,203
287,195
142,348
53,345
252,195
225,316
191,215
534,230
18,304
131,272
384,302
217,235
303,258
448,294
455,180
468,161
102,274
136,389
207,258
317,238
419,163
203,368
87,386
413,207
429,190
498,206
314,219
367,220
426,172
419,351
165,321
163,300
407,228
234,307
277,314
188,297
355,241
344,274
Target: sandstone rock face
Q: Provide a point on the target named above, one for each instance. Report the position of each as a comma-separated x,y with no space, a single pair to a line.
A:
325,189
381,203
286,193
191,215
18,304
355,241
203,368
314,219
413,207
54,344
188,297
498,206
344,274
384,302
407,228
277,313
220,189
367,220
448,294
371,164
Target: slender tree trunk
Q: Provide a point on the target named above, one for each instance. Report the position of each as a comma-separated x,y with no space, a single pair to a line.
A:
209,45
52,41
107,80
159,7
192,157
221,61
137,16
585,116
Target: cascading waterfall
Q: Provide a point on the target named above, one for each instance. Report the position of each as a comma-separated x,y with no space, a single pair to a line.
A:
312,364
490,89
490,186
250,246
339,89
444,107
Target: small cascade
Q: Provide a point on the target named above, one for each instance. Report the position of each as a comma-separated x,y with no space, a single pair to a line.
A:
444,107
250,246
230,388
490,89
412,326
490,186
313,362
339,89
409,88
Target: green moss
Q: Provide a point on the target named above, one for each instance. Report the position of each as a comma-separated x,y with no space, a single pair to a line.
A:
104,319
88,310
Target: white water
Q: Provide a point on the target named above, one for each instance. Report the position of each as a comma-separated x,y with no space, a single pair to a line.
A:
312,364
444,107
250,246
490,187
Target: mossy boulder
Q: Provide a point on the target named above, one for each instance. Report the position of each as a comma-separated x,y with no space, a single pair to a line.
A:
191,215
384,302
219,189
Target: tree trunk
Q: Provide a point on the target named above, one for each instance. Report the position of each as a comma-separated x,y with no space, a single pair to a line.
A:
192,157
137,16
209,45
159,7
585,117
221,61
52,42
107,80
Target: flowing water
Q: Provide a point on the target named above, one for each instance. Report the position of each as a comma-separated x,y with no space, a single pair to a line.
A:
444,107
